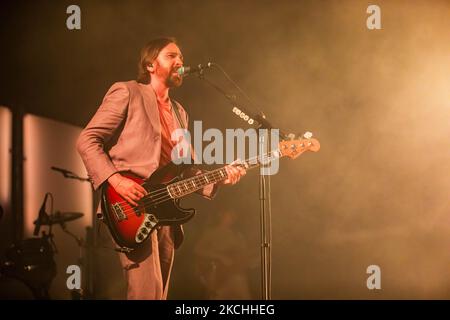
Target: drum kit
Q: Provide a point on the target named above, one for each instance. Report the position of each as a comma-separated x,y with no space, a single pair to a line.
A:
28,267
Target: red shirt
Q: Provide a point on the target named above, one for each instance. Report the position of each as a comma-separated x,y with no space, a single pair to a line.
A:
168,125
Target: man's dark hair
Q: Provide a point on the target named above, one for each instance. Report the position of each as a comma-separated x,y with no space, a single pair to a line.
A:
148,54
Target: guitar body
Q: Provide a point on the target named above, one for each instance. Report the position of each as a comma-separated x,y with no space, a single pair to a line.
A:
130,225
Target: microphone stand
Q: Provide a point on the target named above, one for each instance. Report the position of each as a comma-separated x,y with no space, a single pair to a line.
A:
260,121
90,243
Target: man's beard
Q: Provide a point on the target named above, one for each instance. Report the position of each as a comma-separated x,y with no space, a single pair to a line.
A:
173,81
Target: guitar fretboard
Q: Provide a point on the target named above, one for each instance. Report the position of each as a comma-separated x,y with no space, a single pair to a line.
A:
187,186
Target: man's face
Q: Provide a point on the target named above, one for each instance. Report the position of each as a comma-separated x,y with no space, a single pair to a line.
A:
166,64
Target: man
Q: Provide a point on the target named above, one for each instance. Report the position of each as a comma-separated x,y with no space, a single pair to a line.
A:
131,131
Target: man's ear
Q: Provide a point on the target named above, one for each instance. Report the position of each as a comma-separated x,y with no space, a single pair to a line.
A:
150,67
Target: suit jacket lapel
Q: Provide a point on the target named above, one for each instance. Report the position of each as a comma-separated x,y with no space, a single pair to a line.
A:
151,106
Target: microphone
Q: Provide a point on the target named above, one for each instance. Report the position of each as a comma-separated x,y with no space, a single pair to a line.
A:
41,218
184,71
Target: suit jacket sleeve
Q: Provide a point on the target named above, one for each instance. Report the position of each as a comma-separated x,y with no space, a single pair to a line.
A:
104,124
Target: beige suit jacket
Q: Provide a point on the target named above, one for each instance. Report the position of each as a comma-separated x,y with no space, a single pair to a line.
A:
125,135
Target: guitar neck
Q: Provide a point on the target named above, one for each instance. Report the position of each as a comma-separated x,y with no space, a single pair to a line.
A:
190,185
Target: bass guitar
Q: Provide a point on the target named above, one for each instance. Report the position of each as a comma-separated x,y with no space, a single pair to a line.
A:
131,225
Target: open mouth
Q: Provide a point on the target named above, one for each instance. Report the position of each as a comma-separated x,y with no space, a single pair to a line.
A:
176,71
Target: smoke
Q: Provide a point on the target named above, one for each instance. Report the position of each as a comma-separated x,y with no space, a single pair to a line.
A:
378,101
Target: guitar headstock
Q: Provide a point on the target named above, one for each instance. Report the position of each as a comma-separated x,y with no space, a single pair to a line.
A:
294,148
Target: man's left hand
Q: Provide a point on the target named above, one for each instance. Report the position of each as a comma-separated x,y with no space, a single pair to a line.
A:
234,172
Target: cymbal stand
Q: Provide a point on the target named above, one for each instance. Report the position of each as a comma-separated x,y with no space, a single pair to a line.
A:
86,255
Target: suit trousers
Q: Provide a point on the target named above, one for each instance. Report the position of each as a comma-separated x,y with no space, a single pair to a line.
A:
147,269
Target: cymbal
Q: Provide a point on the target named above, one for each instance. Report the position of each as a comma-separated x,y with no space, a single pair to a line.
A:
60,217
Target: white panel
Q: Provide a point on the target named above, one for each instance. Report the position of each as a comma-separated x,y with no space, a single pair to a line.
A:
5,176
5,155
50,143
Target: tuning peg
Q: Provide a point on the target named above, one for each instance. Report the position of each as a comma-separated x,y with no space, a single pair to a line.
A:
291,136
307,135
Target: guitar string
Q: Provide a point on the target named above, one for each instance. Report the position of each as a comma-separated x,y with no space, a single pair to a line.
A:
164,197
163,190
199,179
164,194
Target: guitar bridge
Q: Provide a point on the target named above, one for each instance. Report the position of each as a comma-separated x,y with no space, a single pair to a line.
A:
118,211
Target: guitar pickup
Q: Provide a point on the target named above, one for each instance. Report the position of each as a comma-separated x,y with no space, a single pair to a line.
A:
118,211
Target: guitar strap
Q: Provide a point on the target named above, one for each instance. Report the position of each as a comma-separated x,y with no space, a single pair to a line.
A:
177,114
181,123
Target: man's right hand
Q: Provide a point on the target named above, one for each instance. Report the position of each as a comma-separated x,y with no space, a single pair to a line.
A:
127,188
